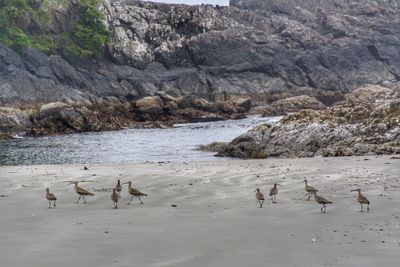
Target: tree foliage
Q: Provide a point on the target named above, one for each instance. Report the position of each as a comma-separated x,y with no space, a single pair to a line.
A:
86,33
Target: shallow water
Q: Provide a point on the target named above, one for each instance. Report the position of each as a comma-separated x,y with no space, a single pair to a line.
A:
129,145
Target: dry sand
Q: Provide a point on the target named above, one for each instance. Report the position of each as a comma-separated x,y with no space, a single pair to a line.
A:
217,221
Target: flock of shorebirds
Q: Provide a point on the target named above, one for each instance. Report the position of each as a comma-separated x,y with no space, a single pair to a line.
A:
310,191
116,195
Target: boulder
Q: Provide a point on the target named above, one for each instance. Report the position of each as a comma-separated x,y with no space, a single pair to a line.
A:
196,102
293,104
57,116
52,109
241,102
150,107
14,120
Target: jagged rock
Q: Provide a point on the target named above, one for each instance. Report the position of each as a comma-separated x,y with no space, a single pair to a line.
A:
165,97
244,103
195,115
197,103
13,120
52,109
372,127
293,104
149,106
213,147
61,115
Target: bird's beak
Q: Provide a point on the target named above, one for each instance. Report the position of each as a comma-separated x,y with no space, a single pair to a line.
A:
353,190
279,184
126,183
71,183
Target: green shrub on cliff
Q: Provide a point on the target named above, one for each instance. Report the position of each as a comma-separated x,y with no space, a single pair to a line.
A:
86,34
11,34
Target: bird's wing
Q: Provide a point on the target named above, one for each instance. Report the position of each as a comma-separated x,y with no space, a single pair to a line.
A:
325,201
83,191
51,196
363,200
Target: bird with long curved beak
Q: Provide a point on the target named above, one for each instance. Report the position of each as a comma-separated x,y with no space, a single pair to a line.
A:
273,192
50,197
81,192
115,197
361,199
118,188
322,201
134,193
309,189
259,197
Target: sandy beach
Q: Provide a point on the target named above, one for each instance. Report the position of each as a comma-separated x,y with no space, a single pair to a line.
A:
216,221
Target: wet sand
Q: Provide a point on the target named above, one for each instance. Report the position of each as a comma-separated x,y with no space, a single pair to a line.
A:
216,221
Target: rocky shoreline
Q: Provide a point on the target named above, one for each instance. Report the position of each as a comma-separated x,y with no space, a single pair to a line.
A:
110,113
367,122
167,64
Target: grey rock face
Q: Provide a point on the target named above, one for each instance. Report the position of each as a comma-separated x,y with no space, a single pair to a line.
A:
265,49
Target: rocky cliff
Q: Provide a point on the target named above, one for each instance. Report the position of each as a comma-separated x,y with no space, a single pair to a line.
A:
367,122
265,49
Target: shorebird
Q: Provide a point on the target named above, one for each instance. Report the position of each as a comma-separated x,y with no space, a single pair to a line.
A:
51,197
322,201
134,193
273,192
81,192
115,197
309,189
259,197
118,188
361,199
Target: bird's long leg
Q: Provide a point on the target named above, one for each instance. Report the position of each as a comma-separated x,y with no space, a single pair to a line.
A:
275,199
367,207
361,207
78,199
309,196
261,203
324,208
141,202
130,201
84,200
54,205
49,204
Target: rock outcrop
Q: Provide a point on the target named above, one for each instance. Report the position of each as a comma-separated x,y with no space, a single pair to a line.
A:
110,113
293,104
263,50
367,123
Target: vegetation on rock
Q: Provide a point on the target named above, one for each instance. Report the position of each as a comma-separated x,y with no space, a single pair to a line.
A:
29,23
